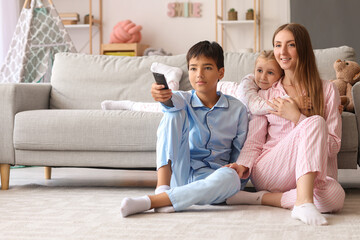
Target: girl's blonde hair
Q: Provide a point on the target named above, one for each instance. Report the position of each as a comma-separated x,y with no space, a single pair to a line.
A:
268,55
306,72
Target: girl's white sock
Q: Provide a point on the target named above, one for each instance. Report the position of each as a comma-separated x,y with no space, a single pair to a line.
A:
172,74
167,209
130,105
117,105
243,197
131,206
146,107
309,214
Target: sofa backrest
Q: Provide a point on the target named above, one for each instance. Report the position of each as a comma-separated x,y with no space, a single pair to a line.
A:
326,57
82,81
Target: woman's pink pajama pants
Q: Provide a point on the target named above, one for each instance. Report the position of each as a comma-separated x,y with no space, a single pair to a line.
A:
303,150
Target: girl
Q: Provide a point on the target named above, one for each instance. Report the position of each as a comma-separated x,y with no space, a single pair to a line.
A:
292,153
267,72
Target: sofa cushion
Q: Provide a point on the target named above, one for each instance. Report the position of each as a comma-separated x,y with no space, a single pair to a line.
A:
86,130
238,65
326,57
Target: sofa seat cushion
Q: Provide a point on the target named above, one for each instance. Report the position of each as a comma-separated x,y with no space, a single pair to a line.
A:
349,139
86,130
97,130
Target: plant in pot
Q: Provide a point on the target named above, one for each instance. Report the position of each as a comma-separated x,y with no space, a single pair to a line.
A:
232,14
250,14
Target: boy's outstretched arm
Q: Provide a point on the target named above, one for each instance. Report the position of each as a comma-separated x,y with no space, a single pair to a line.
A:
159,94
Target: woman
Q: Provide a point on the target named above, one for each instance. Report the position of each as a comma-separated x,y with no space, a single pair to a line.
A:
291,155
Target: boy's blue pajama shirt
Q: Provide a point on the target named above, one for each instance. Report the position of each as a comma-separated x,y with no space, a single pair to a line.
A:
199,141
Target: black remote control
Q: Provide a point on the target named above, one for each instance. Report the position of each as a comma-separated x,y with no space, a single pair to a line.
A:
160,80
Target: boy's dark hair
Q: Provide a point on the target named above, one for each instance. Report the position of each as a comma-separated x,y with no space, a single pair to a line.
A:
210,50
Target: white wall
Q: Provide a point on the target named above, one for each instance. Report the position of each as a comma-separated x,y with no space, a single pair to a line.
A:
9,14
175,35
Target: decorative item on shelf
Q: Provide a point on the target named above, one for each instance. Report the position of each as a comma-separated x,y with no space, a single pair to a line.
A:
156,52
69,18
87,18
232,14
184,9
250,14
126,32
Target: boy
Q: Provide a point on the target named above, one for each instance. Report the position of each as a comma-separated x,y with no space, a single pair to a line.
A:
204,131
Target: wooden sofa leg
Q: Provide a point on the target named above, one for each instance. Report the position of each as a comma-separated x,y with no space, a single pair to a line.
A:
5,176
47,173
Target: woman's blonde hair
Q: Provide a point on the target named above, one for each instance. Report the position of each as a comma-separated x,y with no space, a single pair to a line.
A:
306,72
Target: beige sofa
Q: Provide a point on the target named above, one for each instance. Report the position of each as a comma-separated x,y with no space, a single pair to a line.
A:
61,124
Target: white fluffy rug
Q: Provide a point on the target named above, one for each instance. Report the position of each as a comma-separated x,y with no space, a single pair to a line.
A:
44,211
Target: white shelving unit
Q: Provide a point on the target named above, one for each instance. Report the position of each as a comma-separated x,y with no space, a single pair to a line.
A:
236,22
93,23
77,26
221,23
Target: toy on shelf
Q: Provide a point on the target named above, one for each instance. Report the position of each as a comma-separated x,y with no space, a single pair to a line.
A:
126,32
347,74
157,52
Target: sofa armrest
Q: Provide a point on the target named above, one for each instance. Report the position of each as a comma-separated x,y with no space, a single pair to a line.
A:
14,98
356,98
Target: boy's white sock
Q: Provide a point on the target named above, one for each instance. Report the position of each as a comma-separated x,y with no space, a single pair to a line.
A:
117,105
131,206
172,74
309,214
243,197
167,209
